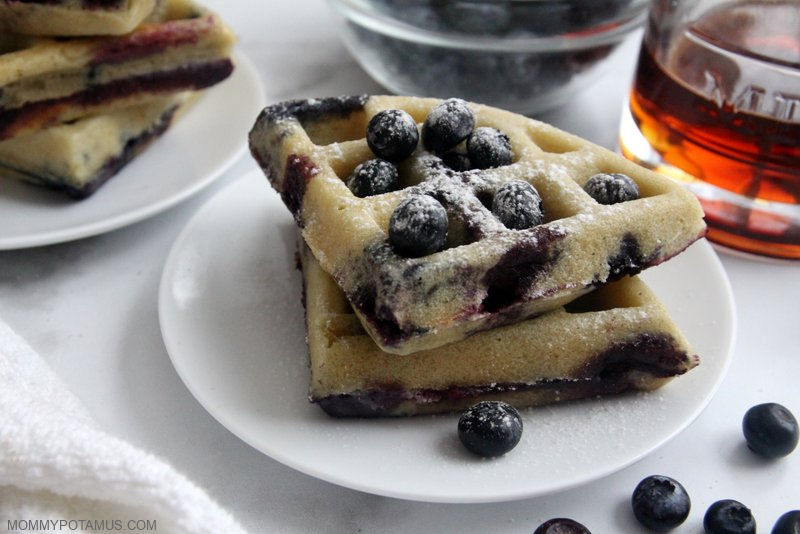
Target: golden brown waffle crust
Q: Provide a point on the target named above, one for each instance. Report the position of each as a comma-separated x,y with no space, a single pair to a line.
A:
46,81
83,155
617,339
308,147
68,18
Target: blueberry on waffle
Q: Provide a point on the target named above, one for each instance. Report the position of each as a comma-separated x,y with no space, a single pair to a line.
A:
485,274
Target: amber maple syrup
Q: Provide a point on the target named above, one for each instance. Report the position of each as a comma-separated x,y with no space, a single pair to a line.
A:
720,110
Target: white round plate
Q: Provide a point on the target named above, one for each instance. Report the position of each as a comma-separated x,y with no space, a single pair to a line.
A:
232,321
198,148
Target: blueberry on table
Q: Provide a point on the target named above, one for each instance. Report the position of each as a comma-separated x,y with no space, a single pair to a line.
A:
447,125
518,205
788,523
611,188
729,517
490,428
660,503
418,226
392,134
770,430
373,177
489,147
561,525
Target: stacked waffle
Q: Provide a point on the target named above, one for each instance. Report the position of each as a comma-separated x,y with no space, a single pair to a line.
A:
528,307
85,86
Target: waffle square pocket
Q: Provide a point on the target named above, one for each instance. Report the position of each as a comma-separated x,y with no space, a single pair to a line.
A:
502,215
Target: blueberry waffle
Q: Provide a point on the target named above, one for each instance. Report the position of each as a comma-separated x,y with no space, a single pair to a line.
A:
46,81
82,155
73,17
615,339
485,223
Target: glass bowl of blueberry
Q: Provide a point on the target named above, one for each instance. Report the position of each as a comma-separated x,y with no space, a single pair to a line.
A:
522,55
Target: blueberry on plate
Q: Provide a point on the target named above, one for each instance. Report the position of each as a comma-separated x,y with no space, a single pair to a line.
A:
561,525
788,523
611,188
518,205
660,503
392,134
489,147
418,226
729,517
490,428
373,177
770,430
447,125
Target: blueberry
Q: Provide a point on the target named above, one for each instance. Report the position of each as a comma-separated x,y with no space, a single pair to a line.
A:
373,177
447,125
518,205
660,503
489,147
457,161
490,428
729,517
770,430
418,226
561,525
611,188
788,523
392,135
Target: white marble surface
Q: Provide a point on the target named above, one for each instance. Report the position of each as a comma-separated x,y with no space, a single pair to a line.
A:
89,307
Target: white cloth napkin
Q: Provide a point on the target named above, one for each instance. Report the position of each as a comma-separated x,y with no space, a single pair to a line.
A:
57,465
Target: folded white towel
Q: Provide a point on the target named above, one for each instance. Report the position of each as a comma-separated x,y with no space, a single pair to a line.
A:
57,465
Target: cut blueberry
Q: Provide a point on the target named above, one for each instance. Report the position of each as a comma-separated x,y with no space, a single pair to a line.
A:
490,428
373,177
770,430
392,134
729,517
611,188
788,523
660,503
489,147
418,226
561,525
447,125
518,205
456,160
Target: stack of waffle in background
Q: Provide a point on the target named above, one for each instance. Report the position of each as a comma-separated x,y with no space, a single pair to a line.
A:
532,316
84,89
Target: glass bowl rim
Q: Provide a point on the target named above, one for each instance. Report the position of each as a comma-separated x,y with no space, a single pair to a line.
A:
611,31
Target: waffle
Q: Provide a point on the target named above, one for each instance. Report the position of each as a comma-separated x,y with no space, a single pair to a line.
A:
488,275
615,339
47,81
73,17
81,156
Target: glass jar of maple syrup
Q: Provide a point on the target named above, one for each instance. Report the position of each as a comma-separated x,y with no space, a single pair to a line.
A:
716,104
